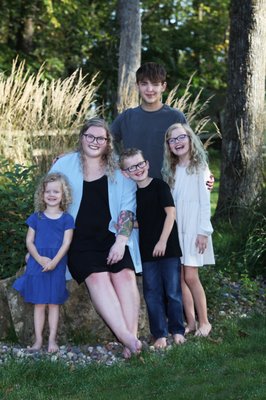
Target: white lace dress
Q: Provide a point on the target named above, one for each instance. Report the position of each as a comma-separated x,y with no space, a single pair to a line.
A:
192,201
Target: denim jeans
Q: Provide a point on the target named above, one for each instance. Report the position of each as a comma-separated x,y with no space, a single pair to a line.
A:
163,296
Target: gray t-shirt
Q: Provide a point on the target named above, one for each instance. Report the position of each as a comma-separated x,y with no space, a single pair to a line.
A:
145,130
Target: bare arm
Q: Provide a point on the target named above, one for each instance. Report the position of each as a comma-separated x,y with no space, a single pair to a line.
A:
160,247
124,228
33,250
61,252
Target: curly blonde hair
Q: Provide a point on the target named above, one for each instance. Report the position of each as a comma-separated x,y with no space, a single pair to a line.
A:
198,155
39,203
108,157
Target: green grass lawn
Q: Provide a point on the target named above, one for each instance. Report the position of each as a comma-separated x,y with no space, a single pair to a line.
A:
229,365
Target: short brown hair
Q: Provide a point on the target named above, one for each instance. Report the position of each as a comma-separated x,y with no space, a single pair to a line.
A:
152,71
131,152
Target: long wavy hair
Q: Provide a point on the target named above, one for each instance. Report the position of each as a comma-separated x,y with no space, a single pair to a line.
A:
108,157
198,155
39,203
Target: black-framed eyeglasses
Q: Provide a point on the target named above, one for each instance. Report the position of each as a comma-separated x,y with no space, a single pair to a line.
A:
91,138
134,168
180,138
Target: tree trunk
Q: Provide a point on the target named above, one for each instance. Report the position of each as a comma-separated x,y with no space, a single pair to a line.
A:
129,52
242,143
26,28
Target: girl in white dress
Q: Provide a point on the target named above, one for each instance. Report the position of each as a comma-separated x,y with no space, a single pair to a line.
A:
186,170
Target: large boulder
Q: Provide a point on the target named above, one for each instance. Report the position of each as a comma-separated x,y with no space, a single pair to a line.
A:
78,319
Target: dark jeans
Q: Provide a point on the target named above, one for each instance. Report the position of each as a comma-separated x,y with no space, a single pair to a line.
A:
163,296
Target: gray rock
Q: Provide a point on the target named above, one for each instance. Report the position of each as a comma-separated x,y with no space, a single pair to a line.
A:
78,319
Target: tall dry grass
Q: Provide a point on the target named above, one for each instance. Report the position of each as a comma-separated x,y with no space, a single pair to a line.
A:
39,119
194,112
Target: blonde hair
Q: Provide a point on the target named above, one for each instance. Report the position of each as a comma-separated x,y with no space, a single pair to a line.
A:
108,157
198,155
39,203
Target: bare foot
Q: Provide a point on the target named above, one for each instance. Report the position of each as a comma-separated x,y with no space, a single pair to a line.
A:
132,343
36,346
179,339
126,353
190,329
204,330
160,343
137,347
52,346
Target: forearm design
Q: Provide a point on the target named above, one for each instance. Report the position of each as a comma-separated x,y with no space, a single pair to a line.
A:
125,223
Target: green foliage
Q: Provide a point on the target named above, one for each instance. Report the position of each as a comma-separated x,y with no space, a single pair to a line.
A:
184,36
215,165
17,185
240,245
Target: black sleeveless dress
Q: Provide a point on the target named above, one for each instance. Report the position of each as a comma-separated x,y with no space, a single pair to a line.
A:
92,239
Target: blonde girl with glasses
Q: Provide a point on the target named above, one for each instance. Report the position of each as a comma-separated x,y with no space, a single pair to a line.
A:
186,171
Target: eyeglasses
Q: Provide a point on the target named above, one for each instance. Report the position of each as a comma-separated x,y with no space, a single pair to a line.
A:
90,138
134,168
174,140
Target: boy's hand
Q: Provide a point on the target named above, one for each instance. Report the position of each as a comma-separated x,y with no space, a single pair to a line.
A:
159,249
57,158
210,182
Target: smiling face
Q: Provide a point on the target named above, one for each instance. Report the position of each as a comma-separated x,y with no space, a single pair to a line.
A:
53,194
151,93
94,141
136,168
179,143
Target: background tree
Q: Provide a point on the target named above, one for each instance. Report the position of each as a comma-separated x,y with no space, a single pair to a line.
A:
185,36
242,144
129,52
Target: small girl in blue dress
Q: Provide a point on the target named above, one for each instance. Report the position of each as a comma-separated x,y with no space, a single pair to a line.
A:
48,239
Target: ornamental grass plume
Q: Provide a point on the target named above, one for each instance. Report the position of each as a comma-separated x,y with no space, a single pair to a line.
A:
193,111
41,118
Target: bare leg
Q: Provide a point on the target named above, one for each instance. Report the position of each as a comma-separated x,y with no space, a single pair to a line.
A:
188,304
53,318
39,318
106,302
192,279
125,286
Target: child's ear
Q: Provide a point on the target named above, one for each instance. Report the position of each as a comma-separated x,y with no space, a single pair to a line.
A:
164,85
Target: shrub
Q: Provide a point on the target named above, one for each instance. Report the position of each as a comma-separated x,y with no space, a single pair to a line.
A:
240,245
17,186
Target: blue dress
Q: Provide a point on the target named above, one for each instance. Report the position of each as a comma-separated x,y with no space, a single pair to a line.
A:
49,287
